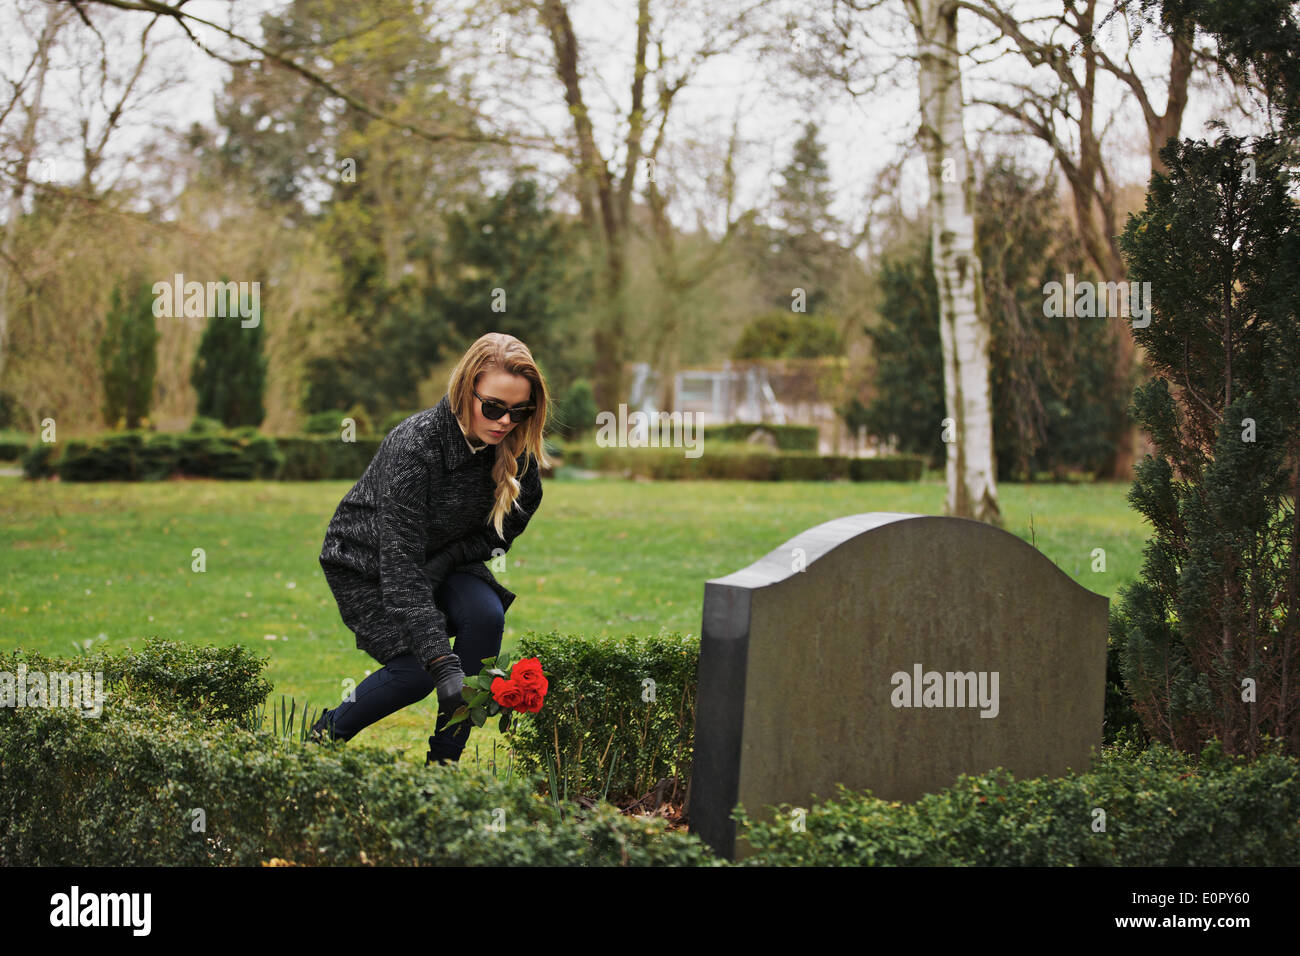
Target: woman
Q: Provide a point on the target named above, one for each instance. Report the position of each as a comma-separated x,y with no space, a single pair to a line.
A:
449,488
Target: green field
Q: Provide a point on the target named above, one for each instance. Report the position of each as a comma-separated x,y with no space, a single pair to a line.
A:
110,563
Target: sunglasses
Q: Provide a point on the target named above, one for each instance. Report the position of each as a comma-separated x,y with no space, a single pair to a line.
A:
493,410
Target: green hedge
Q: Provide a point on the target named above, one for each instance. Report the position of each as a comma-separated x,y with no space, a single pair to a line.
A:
596,735
211,452
1162,808
121,790
788,437
320,458
240,454
182,729
330,422
13,445
741,462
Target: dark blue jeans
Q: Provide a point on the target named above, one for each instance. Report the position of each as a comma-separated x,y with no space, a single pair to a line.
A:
476,620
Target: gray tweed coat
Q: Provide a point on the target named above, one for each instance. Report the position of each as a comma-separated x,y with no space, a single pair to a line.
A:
417,514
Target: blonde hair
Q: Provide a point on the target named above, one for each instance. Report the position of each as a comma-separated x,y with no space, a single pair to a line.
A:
497,351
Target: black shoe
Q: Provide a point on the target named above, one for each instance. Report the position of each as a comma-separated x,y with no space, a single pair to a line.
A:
442,751
322,731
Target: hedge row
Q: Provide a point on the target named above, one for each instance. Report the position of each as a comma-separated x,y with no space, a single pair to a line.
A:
600,731
155,782
1161,808
238,454
246,454
787,437
741,462
178,770
13,445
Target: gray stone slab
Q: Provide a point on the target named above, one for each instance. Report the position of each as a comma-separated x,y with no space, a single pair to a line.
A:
809,664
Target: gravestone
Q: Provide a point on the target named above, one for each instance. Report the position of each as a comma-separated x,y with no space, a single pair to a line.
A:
890,652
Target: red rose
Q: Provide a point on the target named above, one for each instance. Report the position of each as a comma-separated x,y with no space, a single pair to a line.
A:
531,701
506,692
528,673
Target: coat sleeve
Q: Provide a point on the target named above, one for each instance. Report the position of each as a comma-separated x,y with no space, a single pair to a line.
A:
402,495
479,545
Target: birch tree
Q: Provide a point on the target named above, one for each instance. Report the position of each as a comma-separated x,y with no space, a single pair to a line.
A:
963,325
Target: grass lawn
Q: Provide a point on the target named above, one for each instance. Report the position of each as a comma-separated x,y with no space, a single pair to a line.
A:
110,563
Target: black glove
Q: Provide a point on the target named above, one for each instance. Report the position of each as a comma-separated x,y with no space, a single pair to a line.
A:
450,681
439,566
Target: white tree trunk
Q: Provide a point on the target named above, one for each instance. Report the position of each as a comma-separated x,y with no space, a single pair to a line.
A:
964,326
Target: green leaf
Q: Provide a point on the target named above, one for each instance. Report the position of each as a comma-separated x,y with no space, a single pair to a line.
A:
478,716
479,698
498,672
505,720
493,708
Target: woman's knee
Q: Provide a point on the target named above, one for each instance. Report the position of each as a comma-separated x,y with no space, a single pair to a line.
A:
473,606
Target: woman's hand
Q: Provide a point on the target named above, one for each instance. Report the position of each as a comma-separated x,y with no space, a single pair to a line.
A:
446,671
439,566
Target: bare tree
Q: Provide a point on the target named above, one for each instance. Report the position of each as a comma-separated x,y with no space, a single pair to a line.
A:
605,199
1059,105
18,169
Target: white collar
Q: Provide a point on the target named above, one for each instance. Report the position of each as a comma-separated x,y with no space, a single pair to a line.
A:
472,447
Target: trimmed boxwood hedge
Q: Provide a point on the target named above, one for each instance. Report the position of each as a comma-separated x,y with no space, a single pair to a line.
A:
209,451
137,455
13,445
155,781
1162,808
240,454
181,732
787,437
742,462
320,458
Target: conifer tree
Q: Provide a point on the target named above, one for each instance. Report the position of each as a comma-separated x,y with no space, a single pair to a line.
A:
229,370
1209,635
128,354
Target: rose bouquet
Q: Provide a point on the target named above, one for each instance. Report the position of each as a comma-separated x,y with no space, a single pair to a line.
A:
494,690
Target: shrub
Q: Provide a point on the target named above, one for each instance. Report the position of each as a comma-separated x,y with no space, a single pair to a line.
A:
14,445
787,437
596,735
1216,604
1162,808
317,457
202,425
330,422
575,415
39,460
730,461
242,454
163,778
